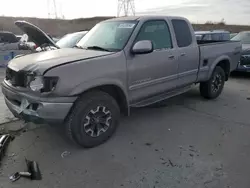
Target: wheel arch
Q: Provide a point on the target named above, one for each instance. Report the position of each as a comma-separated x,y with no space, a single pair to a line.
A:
223,62
113,90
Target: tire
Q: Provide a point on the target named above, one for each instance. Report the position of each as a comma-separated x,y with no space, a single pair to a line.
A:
208,89
93,119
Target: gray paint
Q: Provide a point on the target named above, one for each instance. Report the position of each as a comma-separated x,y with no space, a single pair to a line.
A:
137,75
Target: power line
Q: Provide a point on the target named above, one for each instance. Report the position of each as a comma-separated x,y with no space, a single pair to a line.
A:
52,10
126,8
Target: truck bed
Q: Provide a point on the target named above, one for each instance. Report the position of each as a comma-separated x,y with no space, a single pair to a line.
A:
201,42
211,52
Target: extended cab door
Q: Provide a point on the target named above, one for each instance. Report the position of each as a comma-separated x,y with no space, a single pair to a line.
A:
188,52
156,72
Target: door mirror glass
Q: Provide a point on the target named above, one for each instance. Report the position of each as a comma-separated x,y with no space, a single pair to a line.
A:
142,47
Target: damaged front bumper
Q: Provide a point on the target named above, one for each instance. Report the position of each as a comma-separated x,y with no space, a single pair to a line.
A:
32,108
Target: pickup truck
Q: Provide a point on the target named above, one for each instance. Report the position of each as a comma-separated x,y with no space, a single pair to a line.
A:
120,63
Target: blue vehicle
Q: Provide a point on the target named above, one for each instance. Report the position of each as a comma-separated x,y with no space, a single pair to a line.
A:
244,64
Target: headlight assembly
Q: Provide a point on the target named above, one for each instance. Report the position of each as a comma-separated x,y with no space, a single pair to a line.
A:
36,83
41,83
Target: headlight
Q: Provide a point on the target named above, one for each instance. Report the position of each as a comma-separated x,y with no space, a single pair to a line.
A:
37,83
41,83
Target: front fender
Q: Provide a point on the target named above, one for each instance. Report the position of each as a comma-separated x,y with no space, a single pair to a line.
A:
87,85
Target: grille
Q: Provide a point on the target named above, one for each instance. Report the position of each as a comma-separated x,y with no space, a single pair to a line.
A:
245,60
15,78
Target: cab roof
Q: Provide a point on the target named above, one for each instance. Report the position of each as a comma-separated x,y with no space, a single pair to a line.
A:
146,17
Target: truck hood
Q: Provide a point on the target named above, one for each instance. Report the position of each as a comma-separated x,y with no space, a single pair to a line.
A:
40,62
38,36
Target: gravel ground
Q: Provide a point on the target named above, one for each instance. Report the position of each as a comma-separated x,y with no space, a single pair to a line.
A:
189,143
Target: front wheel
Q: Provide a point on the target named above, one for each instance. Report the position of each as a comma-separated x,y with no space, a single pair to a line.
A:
212,88
93,119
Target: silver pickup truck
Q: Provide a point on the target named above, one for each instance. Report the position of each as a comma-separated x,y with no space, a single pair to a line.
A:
120,63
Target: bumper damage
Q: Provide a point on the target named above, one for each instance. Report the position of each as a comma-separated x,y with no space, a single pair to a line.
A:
36,109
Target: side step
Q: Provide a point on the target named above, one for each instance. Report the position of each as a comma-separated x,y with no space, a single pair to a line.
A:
161,97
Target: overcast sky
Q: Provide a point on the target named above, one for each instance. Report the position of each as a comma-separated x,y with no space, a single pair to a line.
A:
198,11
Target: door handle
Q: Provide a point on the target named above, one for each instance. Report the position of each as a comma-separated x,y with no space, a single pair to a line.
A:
171,57
183,54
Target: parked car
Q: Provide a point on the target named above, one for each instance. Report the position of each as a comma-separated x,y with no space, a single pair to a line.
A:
71,39
215,35
10,46
56,39
244,63
8,37
233,35
19,37
44,41
120,63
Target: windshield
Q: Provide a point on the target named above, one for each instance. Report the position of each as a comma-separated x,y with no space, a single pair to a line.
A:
244,37
70,40
112,35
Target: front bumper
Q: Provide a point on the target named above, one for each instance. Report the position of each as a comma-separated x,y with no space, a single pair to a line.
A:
36,109
242,68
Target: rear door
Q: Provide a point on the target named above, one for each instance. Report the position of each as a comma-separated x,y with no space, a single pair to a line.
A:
188,52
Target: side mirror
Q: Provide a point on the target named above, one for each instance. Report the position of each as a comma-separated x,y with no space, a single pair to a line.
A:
142,47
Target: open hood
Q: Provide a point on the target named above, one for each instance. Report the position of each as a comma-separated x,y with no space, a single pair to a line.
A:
36,35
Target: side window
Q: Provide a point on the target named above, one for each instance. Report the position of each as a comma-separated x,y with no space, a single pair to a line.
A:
182,33
207,37
157,32
217,37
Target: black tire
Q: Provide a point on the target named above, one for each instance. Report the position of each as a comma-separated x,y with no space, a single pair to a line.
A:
83,108
207,88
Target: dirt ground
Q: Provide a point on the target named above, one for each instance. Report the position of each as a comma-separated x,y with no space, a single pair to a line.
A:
190,143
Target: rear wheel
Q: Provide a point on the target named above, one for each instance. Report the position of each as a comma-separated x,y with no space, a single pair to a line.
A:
214,86
93,119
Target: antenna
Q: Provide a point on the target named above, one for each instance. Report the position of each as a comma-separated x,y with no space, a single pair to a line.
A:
52,11
126,8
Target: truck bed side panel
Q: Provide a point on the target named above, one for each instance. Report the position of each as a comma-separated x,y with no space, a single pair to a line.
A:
212,54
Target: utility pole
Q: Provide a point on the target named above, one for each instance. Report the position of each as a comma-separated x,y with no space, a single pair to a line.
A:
126,8
52,10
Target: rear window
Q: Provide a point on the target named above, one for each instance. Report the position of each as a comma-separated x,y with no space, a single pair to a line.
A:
182,33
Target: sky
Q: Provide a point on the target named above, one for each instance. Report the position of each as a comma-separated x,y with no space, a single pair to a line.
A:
197,11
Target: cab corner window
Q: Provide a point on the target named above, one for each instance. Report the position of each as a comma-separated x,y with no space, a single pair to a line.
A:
182,33
157,32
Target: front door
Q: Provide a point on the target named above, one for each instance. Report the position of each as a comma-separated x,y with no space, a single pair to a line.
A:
156,72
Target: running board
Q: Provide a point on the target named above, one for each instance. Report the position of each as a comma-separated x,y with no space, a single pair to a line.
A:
160,97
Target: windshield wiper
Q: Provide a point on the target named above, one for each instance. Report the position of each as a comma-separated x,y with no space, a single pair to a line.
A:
97,48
